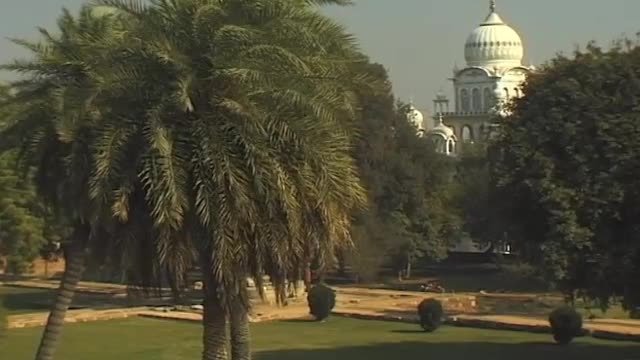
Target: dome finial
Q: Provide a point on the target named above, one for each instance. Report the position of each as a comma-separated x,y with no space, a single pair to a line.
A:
440,118
492,6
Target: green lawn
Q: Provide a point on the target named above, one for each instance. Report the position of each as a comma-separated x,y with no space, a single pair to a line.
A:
339,339
18,300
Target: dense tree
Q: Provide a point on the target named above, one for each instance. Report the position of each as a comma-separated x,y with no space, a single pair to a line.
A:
473,193
25,226
567,163
21,227
409,216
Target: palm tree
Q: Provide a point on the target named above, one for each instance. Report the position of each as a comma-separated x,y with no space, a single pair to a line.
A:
52,115
253,93
221,127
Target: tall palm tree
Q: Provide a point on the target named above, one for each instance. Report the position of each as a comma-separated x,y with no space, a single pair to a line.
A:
253,93
53,112
216,126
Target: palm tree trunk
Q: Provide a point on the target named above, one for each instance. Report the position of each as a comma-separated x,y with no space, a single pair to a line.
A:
240,336
214,339
307,276
73,270
215,331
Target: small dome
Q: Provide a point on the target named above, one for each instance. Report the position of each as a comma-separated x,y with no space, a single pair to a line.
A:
415,117
494,43
442,130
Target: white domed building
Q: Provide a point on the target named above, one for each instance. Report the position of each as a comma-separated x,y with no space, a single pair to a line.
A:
416,118
444,138
493,75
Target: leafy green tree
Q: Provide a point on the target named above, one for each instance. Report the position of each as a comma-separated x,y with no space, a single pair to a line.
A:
21,230
566,165
408,217
416,201
473,196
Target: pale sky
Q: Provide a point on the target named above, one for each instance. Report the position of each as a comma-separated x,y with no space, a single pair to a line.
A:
417,40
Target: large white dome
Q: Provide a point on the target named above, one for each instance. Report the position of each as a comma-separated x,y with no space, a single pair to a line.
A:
494,43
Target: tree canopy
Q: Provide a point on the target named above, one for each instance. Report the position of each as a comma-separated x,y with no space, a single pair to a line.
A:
409,217
25,226
566,164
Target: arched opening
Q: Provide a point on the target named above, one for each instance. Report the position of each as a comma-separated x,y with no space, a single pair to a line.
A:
464,99
506,93
476,99
488,99
517,92
438,142
467,133
451,146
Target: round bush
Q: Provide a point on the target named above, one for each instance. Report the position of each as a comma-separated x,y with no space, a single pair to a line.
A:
431,313
321,299
566,323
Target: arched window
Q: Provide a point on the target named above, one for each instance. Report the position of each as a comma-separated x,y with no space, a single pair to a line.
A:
476,99
467,133
464,99
488,99
517,92
440,143
506,93
451,146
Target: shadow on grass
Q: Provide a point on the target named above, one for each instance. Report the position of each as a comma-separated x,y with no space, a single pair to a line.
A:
300,320
25,300
462,351
408,331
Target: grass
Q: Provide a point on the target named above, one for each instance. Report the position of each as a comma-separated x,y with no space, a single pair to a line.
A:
542,305
339,339
20,300
24,300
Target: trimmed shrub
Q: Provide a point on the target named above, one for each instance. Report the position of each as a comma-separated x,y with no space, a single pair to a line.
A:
566,323
321,300
431,314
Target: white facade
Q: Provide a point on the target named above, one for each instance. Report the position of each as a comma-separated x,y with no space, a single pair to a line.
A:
493,76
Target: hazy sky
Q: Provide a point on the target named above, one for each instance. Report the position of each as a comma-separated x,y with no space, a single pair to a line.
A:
417,40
